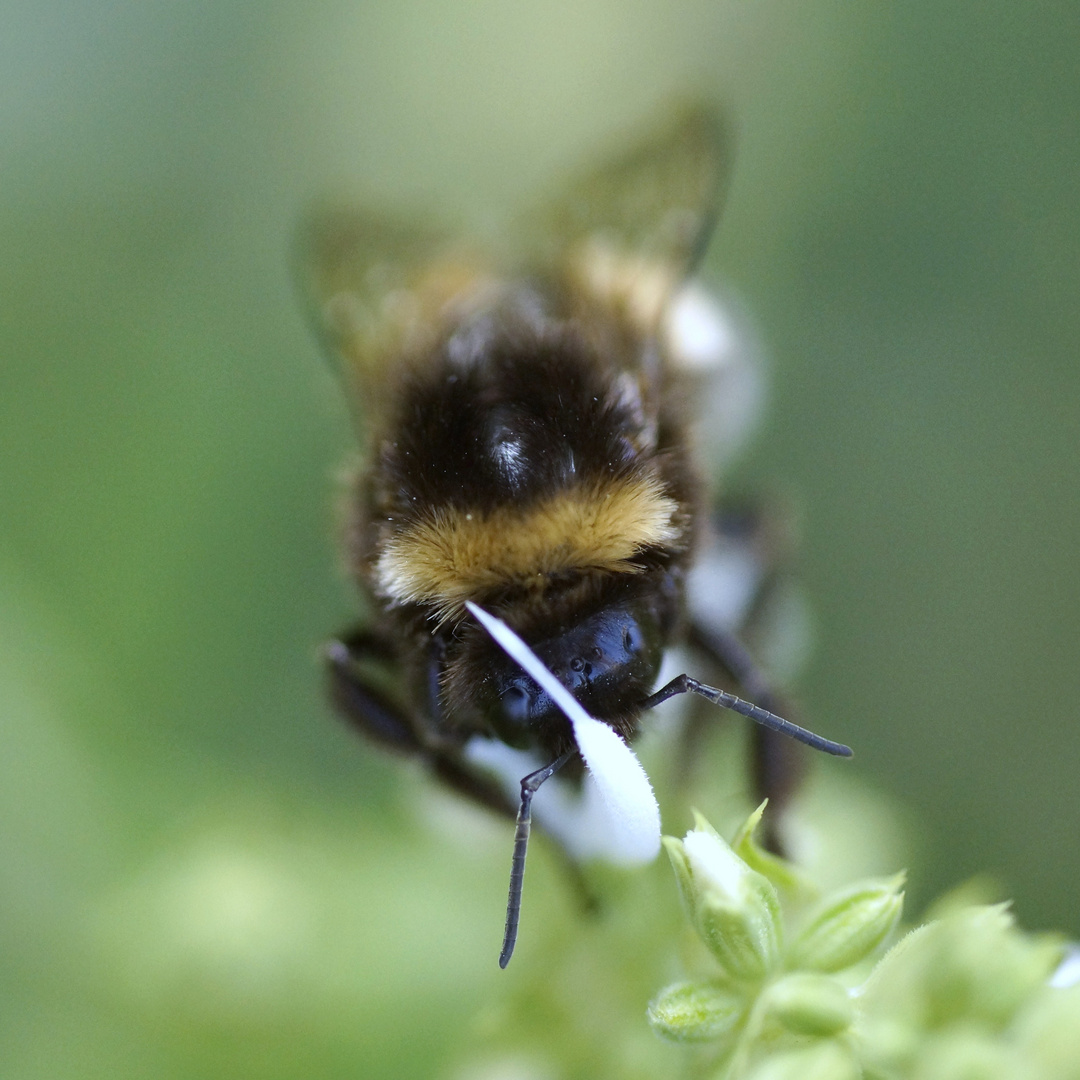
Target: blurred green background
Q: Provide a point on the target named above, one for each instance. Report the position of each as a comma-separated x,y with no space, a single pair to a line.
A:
201,873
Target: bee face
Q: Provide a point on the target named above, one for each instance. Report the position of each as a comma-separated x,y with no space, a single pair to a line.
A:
608,659
526,455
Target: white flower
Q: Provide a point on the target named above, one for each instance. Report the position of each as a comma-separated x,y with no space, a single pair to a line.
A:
734,909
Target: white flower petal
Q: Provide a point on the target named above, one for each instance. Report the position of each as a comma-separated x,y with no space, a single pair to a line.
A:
714,864
624,789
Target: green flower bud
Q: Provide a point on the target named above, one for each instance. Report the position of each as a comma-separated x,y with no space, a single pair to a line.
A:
742,939
810,1004
848,925
826,1061
697,1012
734,909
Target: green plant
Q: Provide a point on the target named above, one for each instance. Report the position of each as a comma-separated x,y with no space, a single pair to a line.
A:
795,992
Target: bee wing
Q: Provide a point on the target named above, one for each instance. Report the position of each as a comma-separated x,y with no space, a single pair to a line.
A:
378,290
628,233
622,238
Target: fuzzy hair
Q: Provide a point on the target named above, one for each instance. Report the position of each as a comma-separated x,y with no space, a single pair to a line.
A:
454,555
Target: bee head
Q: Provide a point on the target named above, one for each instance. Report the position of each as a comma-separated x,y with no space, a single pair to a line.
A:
607,658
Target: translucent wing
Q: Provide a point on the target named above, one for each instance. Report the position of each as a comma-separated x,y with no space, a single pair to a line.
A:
622,237
629,232
378,289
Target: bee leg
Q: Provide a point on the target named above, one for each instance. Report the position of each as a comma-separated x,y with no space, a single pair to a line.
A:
467,781
366,707
359,700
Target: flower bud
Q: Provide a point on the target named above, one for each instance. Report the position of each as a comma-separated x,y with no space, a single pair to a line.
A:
734,909
697,1012
810,1004
848,925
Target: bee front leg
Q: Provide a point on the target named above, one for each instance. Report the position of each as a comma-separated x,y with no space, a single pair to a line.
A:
361,700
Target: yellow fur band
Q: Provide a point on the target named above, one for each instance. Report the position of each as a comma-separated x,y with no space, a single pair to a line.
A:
454,555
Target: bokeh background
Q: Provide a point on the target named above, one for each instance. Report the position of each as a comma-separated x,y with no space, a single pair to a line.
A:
201,874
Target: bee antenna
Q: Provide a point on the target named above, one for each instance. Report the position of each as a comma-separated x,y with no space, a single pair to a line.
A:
683,684
529,787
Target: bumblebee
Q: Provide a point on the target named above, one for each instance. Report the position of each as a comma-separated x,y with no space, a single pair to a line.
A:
527,464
